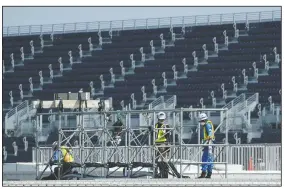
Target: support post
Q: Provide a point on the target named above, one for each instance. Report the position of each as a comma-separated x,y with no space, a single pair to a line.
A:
80,128
104,143
59,145
154,146
199,148
129,143
180,141
37,147
226,143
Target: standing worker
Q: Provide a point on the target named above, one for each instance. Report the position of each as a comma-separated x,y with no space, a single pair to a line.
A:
162,138
66,159
208,138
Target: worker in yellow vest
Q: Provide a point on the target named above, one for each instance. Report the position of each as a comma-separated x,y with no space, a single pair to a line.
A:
66,159
162,138
207,138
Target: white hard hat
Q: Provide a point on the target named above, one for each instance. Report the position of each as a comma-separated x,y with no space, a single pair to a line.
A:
202,117
161,115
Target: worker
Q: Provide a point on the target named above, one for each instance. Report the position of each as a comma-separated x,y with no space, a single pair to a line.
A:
207,138
162,138
66,160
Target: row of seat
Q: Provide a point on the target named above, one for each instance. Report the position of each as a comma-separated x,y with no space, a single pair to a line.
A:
229,63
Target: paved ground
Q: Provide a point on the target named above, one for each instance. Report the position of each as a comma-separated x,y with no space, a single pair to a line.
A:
31,175
151,182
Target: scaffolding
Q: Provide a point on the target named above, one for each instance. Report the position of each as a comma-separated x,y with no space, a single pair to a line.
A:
127,150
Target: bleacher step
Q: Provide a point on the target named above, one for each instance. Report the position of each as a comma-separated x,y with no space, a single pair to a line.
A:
252,80
262,72
19,64
119,78
273,65
149,57
139,64
222,47
109,86
192,69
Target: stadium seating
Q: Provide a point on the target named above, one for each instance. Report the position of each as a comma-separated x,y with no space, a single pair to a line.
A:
94,66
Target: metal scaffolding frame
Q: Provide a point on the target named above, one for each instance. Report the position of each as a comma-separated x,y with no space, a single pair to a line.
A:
105,153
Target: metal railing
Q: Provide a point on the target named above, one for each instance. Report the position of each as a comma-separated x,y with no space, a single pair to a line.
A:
95,120
263,157
231,106
13,117
171,102
156,104
239,107
149,23
159,103
240,99
249,103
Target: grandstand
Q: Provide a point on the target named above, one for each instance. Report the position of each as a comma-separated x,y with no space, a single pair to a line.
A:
219,61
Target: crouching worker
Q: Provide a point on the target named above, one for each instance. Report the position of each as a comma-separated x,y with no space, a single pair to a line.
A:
208,138
66,160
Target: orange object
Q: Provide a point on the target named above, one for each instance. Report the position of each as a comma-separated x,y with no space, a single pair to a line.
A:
250,164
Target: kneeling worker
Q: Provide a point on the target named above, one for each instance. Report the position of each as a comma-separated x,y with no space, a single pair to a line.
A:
66,159
208,138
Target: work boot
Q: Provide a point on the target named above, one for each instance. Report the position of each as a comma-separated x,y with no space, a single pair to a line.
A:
203,174
209,175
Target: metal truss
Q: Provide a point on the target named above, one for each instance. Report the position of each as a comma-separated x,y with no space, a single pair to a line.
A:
108,151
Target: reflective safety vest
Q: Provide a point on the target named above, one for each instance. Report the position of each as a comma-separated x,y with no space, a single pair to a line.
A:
161,136
66,153
205,134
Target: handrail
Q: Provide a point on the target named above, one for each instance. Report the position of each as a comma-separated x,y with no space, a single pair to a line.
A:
149,23
156,103
171,102
234,102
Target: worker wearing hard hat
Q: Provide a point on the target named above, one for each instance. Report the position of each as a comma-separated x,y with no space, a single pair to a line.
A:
162,138
66,159
163,134
208,138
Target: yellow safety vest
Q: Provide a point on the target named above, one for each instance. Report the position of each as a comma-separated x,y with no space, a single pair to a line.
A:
161,134
205,134
67,157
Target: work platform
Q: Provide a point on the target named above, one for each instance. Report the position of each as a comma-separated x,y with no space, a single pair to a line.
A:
100,154
161,159
262,181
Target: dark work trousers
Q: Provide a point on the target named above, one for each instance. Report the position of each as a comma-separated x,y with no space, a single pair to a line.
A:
65,169
162,165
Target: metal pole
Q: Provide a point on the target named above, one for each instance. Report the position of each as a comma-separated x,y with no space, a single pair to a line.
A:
59,145
154,146
37,147
174,135
226,143
126,126
180,141
40,123
129,143
82,140
199,148
104,146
